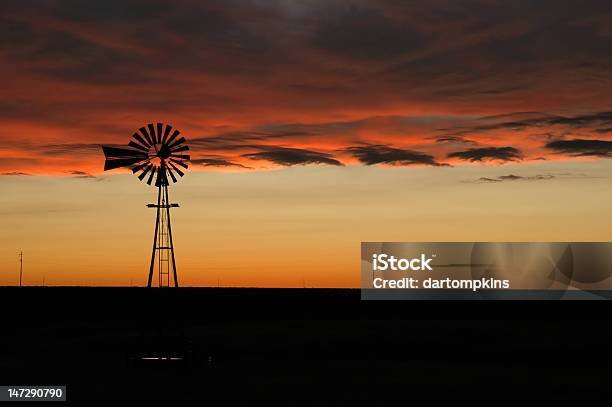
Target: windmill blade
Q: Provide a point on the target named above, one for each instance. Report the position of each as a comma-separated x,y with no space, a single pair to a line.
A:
115,152
138,146
160,127
173,136
183,148
179,172
182,156
121,162
166,132
151,176
152,132
182,164
141,140
171,174
158,178
177,142
145,172
140,166
143,131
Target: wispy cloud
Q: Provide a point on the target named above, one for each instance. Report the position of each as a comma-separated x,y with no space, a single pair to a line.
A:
512,177
216,162
80,174
293,156
14,174
582,147
381,154
488,154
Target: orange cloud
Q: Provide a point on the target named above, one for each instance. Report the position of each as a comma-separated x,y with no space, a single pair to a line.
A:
257,86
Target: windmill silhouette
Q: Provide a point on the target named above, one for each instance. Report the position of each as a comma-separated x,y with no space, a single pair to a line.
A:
155,154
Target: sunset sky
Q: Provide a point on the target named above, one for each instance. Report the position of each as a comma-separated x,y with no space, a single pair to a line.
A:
313,126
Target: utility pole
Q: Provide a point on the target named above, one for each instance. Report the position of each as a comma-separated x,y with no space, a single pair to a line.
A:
20,267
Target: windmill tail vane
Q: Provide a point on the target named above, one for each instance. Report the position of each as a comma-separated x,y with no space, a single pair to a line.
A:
156,154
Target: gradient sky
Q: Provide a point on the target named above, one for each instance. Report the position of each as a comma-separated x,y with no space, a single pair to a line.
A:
313,125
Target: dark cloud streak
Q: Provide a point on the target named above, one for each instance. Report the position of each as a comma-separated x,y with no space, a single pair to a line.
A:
14,174
293,156
382,154
582,147
540,120
512,177
488,153
81,174
216,162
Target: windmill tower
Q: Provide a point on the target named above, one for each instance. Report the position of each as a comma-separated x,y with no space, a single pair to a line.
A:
155,155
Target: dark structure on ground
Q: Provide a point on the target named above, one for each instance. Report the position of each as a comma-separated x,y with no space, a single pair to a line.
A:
226,347
156,153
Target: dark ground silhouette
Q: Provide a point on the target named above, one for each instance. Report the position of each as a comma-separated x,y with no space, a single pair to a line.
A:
297,346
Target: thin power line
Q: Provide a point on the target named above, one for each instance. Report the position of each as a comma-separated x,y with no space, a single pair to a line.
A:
20,267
